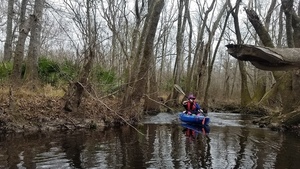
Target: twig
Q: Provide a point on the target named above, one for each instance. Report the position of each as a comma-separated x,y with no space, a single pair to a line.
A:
159,102
97,99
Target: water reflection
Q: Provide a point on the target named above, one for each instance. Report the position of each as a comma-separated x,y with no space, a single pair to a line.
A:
192,131
226,144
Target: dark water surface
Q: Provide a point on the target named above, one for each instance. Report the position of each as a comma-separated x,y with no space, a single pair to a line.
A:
233,142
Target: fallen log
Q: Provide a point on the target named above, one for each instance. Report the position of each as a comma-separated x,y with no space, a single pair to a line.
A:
272,59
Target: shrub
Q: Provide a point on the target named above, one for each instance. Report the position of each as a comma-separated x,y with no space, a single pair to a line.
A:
5,70
68,70
48,70
105,79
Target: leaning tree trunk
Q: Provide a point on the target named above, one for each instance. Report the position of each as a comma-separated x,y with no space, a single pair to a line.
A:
274,59
262,31
286,86
293,35
260,85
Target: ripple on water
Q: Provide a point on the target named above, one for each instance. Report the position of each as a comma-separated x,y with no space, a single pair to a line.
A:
54,158
161,118
226,119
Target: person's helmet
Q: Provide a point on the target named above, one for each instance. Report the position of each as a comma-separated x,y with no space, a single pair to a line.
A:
191,96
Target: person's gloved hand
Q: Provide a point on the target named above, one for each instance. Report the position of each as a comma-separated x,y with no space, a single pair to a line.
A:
189,113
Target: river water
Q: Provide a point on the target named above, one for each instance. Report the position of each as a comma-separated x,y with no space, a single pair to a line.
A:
161,141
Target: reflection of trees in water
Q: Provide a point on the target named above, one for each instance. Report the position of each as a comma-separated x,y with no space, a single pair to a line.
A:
160,155
22,149
197,148
243,147
288,154
208,157
163,146
131,148
73,147
243,137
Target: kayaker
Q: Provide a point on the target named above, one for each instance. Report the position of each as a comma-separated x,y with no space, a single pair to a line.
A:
191,106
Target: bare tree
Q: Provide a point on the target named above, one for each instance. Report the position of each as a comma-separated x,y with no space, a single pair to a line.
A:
287,85
31,70
88,26
178,68
149,31
245,95
24,28
201,53
133,60
166,23
212,60
9,31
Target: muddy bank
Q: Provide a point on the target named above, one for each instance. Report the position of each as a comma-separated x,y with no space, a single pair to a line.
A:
265,117
30,113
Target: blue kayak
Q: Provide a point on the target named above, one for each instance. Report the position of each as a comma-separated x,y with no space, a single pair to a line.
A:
194,119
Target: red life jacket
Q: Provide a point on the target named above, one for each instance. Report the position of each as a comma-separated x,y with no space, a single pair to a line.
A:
191,106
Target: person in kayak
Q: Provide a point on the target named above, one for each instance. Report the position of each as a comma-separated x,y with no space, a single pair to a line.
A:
191,106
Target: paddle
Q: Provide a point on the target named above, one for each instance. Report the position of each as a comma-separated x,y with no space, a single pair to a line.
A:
179,89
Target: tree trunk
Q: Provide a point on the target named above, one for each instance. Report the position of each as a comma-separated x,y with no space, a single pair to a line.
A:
134,59
203,51
245,95
9,32
179,53
267,41
261,80
210,65
31,71
260,86
190,65
226,92
274,59
285,61
76,89
151,101
24,29
147,54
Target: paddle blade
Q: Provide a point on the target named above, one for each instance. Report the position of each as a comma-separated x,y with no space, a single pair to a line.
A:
179,89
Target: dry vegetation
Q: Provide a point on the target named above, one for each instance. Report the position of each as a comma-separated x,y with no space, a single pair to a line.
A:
27,111
43,110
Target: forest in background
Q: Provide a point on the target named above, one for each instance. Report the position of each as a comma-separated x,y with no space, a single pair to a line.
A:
135,51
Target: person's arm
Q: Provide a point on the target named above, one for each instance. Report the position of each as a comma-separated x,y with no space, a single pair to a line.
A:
184,103
198,106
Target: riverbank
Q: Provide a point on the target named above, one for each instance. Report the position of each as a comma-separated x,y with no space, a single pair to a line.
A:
26,111
269,118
